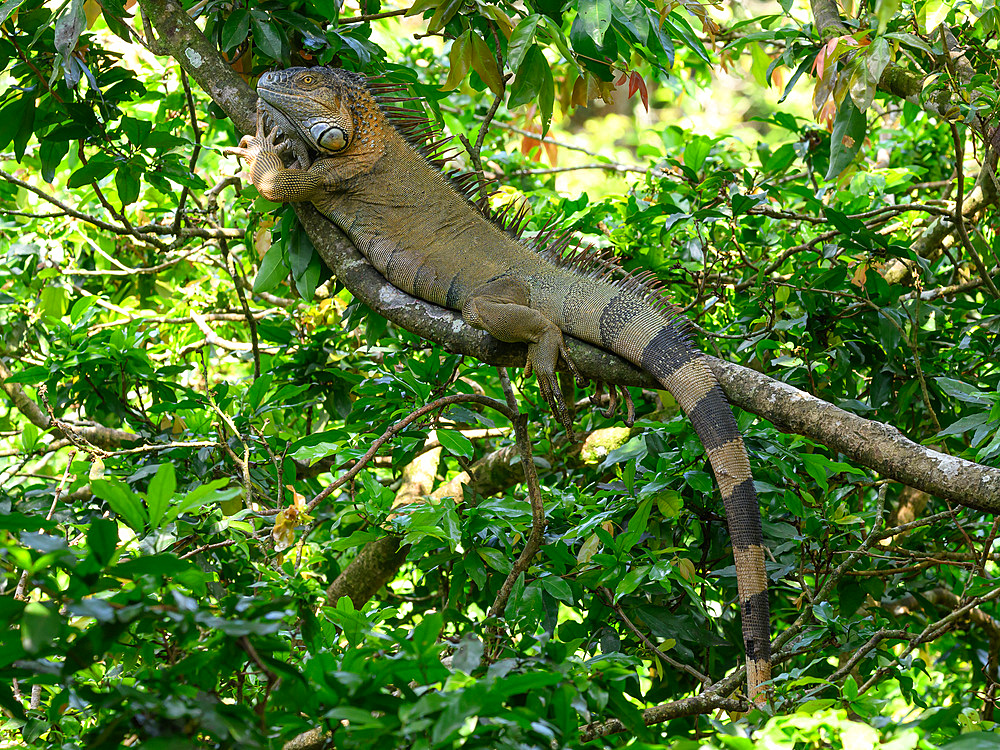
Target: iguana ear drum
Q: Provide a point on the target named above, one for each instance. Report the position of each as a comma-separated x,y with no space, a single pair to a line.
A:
329,138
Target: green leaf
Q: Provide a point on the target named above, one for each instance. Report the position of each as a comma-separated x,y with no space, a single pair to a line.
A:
269,37
102,540
484,62
964,392
974,741
445,11
39,627
495,559
199,496
878,57
534,78
912,40
29,437
257,391
631,18
699,480
884,11
163,565
631,580
593,46
305,262
161,490
312,448
95,170
456,443
460,60
595,19
26,127
51,154
10,117
521,40
697,150
637,526
67,29
127,182
469,654
121,500
53,301
558,588
420,6
22,522
29,375
6,9
236,28
273,269
848,135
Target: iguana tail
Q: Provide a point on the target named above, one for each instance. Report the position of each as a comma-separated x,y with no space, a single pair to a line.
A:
638,331
683,371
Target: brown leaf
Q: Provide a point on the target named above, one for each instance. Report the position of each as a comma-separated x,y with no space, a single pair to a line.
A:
579,96
484,62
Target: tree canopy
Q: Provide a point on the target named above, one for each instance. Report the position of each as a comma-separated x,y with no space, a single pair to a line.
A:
252,496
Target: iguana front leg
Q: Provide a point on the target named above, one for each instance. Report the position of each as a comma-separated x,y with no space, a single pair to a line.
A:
502,309
263,154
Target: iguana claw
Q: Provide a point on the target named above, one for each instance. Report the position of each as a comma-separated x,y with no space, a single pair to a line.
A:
251,146
542,359
595,399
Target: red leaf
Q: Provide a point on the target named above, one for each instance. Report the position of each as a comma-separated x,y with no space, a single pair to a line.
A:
621,79
633,83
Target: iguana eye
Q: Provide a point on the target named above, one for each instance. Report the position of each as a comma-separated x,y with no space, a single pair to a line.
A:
307,79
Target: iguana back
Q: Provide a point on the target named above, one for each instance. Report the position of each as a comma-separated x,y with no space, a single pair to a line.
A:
374,179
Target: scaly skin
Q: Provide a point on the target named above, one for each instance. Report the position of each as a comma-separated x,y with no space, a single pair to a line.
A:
428,240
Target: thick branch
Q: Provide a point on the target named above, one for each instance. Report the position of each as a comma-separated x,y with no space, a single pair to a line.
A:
183,40
103,437
696,704
873,444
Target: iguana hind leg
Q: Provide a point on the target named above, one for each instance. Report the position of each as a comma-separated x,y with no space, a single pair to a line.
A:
501,308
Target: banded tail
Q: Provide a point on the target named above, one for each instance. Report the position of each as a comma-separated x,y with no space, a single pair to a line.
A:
683,371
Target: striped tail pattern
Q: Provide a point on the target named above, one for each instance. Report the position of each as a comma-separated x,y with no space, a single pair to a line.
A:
637,324
683,371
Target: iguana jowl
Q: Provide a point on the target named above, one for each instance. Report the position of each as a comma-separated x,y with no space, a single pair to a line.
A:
374,181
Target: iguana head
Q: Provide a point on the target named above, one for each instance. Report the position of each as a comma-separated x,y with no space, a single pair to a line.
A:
330,110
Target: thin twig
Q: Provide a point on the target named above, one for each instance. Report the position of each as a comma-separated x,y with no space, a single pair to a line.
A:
372,16
239,281
141,232
960,217
474,151
534,542
620,613
440,403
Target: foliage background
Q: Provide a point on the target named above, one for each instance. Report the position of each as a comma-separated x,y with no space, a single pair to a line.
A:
182,377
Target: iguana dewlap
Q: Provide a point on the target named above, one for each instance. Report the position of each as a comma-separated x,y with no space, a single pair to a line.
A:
420,231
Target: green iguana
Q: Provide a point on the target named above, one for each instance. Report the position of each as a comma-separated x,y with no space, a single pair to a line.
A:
373,170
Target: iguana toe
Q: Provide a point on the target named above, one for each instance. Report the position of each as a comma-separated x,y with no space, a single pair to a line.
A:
542,359
595,400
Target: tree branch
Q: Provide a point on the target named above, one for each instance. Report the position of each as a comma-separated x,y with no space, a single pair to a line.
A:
103,437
